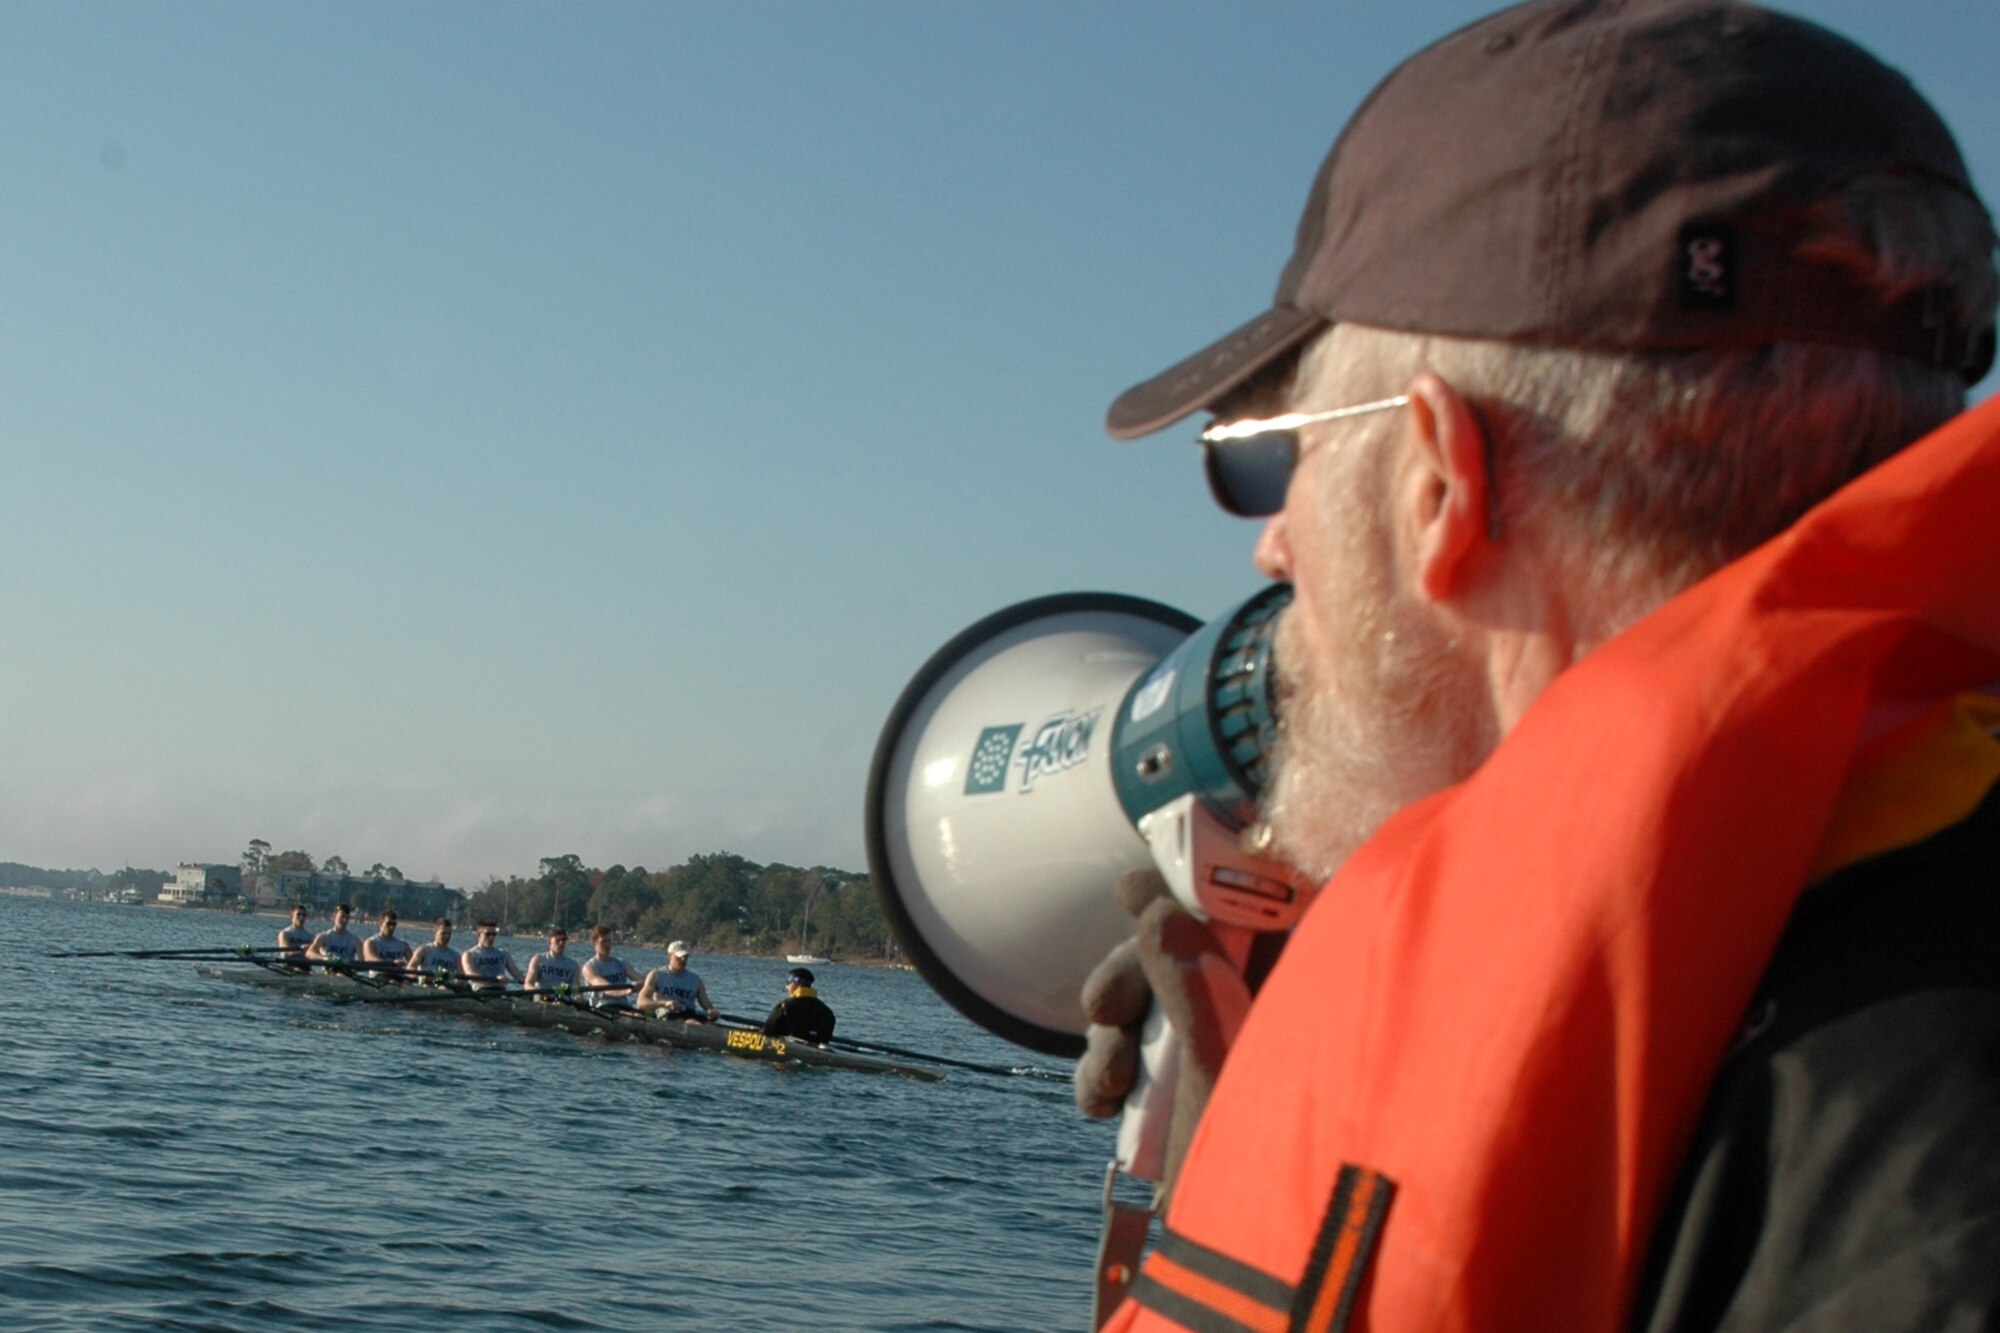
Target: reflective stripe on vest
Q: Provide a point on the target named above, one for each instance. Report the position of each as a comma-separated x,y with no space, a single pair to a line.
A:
1208,1292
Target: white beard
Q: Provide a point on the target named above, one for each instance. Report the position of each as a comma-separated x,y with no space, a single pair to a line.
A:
1403,718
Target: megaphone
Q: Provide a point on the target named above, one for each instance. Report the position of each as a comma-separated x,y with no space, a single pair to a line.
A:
1043,752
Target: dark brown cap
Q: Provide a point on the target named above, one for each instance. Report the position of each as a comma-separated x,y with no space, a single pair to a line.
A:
1598,174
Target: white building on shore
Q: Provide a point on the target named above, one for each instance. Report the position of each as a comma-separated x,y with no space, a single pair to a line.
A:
196,883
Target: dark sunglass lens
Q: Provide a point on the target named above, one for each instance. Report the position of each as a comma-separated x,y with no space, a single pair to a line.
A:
1249,476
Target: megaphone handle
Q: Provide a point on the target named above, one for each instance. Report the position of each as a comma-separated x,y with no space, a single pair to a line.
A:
1149,1107
1143,1128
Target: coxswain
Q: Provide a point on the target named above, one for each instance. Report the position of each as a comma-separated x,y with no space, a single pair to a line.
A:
337,945
551,971
437,960
383,946
487,961
295,939
601,969
674,992
801,1013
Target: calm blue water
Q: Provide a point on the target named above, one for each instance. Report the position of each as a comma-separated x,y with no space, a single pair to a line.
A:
182,1153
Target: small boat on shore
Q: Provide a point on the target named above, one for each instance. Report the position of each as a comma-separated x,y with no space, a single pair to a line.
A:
807,959
566,1014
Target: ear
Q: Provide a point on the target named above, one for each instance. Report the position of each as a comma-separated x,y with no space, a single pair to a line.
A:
1444,488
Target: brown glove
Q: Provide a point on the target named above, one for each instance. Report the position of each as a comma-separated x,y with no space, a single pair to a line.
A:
1175,958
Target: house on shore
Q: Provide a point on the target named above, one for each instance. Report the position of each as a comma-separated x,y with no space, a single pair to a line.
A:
196,883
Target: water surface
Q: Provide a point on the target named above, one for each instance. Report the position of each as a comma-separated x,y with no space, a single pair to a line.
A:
178,1152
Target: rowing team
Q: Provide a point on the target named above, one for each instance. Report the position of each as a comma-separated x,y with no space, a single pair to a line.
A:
672,991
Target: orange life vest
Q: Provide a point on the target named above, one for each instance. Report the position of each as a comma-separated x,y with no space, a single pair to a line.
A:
1461,1097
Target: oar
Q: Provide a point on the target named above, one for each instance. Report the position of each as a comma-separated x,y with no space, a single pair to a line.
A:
240,951
359,971
362,969
611,1016
459,988
875,1048
391,978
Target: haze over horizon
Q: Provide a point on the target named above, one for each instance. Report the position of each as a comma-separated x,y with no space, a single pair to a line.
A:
459,434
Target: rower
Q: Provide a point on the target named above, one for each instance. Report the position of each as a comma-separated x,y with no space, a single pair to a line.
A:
487,961
295,939
551,971
383,946
801,1013
604,970
437,960
674,992
337,945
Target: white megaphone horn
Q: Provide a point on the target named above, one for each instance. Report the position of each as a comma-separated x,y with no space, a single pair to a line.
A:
1043,752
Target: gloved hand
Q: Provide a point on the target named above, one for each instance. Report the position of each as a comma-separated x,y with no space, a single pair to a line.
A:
1177,961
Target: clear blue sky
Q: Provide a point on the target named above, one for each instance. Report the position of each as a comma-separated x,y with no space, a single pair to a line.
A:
455,434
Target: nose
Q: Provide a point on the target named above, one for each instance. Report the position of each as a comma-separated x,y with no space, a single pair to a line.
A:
1274,550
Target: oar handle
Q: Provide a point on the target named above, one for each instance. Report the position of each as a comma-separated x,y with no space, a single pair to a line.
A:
479,988
347,965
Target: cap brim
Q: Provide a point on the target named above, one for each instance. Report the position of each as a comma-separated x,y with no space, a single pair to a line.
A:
1211,373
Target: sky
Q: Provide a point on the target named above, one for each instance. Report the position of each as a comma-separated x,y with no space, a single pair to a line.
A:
457,434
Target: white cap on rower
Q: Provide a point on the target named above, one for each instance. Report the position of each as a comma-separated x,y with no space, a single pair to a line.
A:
678,949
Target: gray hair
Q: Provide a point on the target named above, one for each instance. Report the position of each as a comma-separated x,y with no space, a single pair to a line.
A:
1635,473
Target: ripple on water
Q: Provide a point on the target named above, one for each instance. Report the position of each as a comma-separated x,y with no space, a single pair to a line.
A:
93,1283
155,1133
209,1314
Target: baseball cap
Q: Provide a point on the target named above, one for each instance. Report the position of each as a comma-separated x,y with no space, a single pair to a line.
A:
799,976
1617,174
678,949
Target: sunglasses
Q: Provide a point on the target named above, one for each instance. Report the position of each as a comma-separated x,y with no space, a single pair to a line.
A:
1250,463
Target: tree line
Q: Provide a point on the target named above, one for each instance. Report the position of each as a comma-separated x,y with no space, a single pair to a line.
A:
93,882
15,875
718,903
261,865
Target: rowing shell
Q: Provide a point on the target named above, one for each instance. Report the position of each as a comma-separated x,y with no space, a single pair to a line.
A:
521,1011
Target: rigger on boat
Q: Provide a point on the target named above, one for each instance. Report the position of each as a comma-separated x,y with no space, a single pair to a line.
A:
578,1010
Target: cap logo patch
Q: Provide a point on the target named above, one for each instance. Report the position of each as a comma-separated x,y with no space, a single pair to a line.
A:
1707,258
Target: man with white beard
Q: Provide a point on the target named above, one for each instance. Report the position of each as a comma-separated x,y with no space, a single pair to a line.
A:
1653,981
